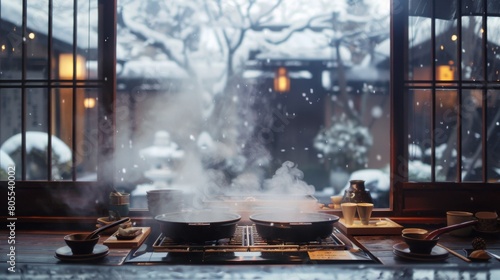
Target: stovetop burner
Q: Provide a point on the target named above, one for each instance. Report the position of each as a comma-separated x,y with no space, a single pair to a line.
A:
246,239
247,247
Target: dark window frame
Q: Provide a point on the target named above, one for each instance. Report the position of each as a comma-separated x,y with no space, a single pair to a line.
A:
433,198
54,198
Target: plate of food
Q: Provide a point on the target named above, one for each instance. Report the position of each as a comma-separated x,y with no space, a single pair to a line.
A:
128,233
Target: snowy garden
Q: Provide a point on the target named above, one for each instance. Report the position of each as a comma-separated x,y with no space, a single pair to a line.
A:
197,103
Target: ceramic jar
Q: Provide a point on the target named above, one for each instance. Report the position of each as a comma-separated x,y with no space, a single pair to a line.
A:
357,193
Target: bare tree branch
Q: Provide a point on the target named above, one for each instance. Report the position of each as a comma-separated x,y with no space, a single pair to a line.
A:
266,14
294,30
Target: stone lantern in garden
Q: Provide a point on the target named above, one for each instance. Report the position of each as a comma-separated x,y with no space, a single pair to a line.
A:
162,158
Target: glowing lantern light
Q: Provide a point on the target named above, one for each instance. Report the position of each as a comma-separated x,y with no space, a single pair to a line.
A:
89,102
66,66
281,81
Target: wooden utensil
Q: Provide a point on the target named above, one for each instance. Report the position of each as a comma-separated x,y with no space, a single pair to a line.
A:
95,232
465,259
435,233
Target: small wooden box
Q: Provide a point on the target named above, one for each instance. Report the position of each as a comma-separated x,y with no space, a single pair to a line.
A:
377,226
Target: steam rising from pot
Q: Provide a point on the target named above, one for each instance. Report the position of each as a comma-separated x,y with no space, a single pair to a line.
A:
288,180
225,137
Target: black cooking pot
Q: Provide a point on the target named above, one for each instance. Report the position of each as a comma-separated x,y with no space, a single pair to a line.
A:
198,226
293,226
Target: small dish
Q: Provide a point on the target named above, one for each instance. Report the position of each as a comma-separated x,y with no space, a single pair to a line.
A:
403,251
120,236
65,254
128,233
468,253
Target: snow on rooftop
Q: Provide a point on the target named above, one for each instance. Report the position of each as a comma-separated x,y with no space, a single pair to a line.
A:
152,69
62,28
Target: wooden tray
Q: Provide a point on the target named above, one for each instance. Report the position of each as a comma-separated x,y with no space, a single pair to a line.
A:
377,226
113,242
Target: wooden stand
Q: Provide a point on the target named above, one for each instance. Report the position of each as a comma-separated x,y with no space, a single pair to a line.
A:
377,226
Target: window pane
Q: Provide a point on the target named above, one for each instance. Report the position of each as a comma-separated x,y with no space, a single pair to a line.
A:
472,55
63,131
10,40
36,136
445,135
430,8
87,135
419,135
10,125
37,21
238,101
62,30
472,135
446,50
473,7
87,37
493,49
419,60
493,127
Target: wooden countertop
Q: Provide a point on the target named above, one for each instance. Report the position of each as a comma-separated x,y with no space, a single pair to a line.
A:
35,253
38,247
381,247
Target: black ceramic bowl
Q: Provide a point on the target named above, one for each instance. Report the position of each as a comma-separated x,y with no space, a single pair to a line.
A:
79,245
417,243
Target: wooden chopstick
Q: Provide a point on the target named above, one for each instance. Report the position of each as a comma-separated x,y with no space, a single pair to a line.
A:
455,253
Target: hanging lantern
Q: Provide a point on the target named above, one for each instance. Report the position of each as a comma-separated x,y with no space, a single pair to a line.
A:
281,81
445,73
66,66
